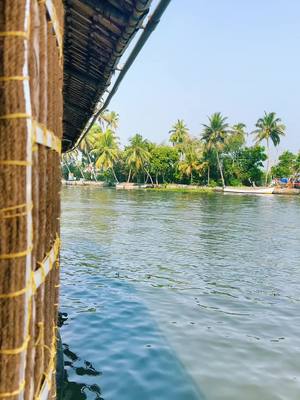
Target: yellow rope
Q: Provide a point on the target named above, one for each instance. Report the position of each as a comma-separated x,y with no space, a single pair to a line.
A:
11,208
14,215
16,255
51,262
19,163
22,34
18,214
17,350
16,293
55,141
50,370
14,393
43,271
51,366
33,131
15,116
34,287
55,250
13,78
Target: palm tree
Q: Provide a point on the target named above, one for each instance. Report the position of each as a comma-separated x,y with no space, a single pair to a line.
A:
111,118
215,135
238,132
87,144
191,162
235,141
107,151
67,159
179,132
269,128
137,155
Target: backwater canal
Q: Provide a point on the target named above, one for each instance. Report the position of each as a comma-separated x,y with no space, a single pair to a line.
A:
180,296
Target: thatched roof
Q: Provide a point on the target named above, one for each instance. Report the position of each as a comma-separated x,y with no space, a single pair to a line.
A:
97,33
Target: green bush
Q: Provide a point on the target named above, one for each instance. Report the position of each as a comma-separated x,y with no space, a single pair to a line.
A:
235,182
213,183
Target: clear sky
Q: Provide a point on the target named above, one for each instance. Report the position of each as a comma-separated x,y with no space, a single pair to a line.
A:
240,57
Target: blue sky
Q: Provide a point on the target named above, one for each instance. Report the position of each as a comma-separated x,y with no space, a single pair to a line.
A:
237,57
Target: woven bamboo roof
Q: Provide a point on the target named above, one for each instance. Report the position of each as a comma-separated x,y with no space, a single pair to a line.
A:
97,33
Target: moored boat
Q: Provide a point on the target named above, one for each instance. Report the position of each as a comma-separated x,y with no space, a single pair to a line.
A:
249,190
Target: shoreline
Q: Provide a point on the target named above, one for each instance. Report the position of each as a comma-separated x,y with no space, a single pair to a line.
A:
170,187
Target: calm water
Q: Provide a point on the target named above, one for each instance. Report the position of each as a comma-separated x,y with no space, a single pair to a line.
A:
171,296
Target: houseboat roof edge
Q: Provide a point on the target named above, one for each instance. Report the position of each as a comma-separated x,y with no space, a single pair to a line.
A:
97,34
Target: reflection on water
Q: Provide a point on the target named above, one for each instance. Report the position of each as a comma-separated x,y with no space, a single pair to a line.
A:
74,390
182,296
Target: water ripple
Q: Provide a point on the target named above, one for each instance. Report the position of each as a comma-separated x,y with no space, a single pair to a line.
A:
182,296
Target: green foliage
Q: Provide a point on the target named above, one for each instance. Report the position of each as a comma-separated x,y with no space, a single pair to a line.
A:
235,182
297,164
215,137
270,129
192,164
164,163
111,118
137,155
215,133
213,183
105,148
236,139
287,166
179,133
220,155
246,168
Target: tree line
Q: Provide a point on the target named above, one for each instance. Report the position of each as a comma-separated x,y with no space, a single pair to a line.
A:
218,156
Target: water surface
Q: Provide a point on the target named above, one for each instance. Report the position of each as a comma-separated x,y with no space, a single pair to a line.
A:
180,296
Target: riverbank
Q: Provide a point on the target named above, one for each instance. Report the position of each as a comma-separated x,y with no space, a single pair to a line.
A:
185,188
169,187
286,191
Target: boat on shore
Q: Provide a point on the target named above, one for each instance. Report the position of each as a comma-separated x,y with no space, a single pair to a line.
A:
249,190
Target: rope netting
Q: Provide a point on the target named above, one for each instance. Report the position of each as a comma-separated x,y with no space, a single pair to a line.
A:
31,107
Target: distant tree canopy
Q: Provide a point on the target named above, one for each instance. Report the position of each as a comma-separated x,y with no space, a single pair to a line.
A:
218,156
287,166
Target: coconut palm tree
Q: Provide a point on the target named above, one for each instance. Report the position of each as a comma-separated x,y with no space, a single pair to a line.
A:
179,132
106,151
215,135
137,155
235,141
67,159
87,144
238,132
270,129
192,156
111,118
207,155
